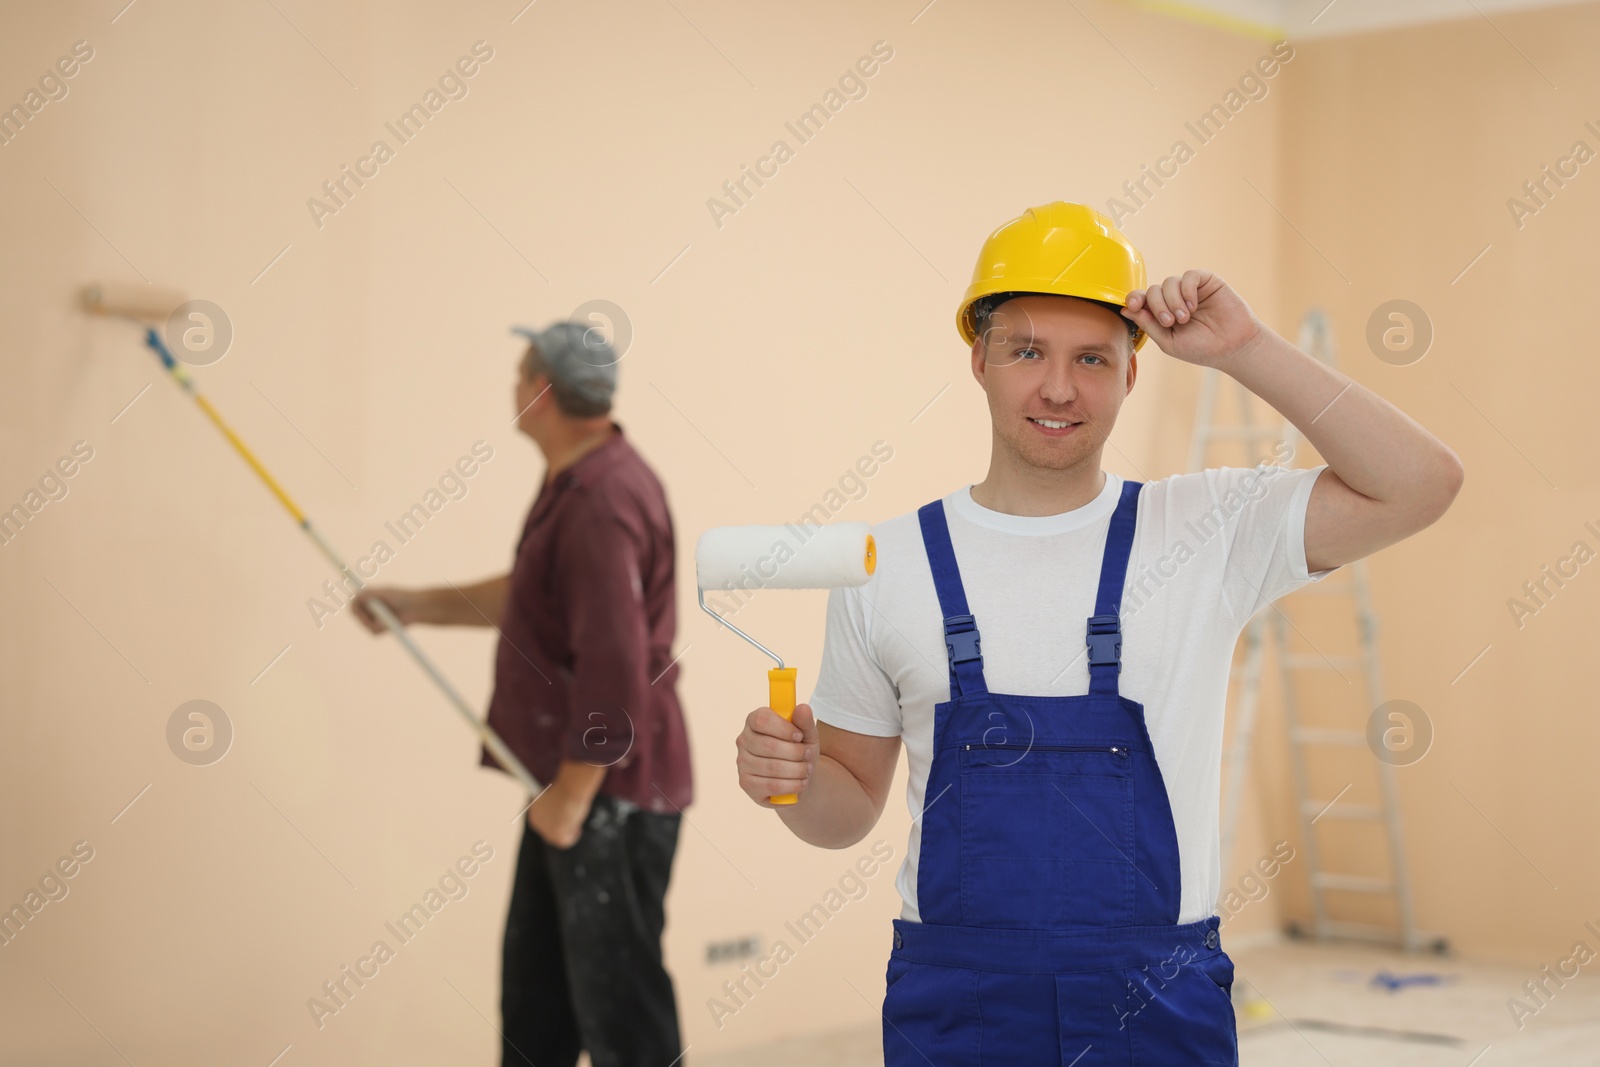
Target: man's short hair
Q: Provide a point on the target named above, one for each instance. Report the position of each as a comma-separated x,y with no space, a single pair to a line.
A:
984,308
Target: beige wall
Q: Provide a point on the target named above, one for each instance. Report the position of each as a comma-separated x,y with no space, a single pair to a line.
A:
770,355
1399,158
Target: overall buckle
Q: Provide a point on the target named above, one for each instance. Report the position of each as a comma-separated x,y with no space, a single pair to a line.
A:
1104,639
961,638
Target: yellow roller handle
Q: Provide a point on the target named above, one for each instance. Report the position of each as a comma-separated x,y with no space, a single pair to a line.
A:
780,697
249,457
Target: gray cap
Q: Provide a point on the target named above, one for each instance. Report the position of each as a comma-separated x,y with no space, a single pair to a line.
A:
578,360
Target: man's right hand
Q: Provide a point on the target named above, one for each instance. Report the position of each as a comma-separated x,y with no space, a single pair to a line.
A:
408,605
777,756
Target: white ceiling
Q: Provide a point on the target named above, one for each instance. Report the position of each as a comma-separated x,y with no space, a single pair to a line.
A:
1320,18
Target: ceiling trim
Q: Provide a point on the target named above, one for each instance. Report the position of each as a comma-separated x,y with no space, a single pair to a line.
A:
1276,19
1205,16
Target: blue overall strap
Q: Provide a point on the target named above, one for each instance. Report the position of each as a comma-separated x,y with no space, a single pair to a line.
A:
960,629
1104,636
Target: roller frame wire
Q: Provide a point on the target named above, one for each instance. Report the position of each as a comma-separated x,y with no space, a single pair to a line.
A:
705,608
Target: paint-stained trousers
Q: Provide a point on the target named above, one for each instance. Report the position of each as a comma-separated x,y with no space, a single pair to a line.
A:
581,967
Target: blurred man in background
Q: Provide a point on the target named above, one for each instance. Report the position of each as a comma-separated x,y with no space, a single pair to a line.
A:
585,696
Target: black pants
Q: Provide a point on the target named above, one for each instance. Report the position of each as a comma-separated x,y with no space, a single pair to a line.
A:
582,967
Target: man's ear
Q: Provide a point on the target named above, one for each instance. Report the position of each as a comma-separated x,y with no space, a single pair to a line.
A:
980,359
1133,371
540,384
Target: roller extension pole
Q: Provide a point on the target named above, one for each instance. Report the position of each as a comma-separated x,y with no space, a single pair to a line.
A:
491,740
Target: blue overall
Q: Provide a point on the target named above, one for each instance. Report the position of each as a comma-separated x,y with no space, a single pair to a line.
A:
1048,882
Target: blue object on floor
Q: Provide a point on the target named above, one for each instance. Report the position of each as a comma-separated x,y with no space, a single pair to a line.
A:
1395,982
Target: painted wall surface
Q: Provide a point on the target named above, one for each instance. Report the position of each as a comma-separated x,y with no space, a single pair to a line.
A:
776,339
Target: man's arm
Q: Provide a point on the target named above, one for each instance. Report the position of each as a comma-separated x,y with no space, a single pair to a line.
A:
842,778
558,813
1387,477
599,584
482,604
464,605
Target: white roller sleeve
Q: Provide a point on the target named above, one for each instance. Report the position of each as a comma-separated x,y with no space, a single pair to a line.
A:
148,303
783,557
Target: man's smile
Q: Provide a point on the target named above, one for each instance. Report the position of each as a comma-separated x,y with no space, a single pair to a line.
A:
1054,427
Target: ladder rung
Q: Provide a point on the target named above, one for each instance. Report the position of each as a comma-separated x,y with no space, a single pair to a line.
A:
1304,660
1313,736
1382,935
1353,883
1342,811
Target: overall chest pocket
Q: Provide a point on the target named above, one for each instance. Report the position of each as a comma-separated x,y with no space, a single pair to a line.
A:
1047,836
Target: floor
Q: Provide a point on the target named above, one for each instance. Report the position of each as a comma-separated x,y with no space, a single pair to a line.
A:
1327,1006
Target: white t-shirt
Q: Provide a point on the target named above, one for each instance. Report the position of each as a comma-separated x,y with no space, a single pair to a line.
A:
1210,549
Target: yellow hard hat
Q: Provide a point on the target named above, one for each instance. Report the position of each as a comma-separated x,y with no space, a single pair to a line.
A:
1058,248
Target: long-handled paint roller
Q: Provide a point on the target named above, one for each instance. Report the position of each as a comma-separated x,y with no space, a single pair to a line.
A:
782,557
144,305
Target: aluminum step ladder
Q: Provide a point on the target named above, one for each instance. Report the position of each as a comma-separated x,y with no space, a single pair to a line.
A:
1293,665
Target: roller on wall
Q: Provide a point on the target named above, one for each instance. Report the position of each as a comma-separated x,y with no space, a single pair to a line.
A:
746,558
126,300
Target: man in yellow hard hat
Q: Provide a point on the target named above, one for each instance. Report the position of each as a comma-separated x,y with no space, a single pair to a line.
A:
1060,882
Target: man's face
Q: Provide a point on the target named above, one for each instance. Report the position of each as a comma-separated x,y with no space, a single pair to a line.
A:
530,397
1057,359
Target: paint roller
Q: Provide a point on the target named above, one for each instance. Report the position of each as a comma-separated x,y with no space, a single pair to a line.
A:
148,304
137,303
782,557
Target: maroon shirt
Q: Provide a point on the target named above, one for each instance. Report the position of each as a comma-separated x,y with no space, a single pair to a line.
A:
584,668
